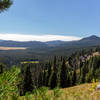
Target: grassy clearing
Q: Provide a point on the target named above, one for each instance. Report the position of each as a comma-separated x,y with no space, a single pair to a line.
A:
81,92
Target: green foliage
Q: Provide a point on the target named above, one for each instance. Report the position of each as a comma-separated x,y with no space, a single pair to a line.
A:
53,82
26,84
64,75
83,74
2,67
53,77
44,93
56,93
89,76
74,77
8,83
94,85
41,94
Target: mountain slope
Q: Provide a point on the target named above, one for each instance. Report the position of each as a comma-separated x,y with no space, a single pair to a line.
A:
92,40
34,44
80,92
88,41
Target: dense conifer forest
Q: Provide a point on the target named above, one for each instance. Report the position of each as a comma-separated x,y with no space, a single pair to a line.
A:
80,67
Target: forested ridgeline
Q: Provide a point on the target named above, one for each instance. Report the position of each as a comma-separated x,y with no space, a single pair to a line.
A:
80,67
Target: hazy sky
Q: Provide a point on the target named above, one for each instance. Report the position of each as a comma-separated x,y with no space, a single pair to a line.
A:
78,18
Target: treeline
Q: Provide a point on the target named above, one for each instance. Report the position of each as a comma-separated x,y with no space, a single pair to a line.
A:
51,74
62,72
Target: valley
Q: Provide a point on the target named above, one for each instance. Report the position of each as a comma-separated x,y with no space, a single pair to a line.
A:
56,71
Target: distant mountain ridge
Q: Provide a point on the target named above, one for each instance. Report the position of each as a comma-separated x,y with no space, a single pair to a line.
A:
21,44
45,50
88,41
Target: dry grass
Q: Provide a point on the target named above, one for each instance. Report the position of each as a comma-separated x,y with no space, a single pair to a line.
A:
12,48
81,92
96,54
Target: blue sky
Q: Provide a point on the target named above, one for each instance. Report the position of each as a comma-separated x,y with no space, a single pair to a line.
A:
78,18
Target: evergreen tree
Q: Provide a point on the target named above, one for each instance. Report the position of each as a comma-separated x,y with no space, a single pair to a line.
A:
40,79
1,68
5,4
68,80
53,82
74,77
83,74
53,78
89,76
55,64
63,75
44,77
80,66
49,71
28,83
21,89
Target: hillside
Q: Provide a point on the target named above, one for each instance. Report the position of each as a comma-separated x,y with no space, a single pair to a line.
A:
80,92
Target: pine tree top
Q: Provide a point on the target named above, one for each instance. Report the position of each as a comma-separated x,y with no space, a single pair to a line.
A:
5,4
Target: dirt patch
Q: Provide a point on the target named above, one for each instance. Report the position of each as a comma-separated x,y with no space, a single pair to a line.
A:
96,54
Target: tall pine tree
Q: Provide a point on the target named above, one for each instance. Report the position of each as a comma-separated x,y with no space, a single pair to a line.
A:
28,83
1,68
53,78
74,77
63,75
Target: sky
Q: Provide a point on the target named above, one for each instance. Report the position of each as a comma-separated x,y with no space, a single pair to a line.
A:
56,19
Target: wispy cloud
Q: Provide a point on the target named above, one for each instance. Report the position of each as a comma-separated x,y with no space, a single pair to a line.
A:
43,38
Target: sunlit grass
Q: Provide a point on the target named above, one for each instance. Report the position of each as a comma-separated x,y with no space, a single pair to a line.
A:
30,62
80,92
